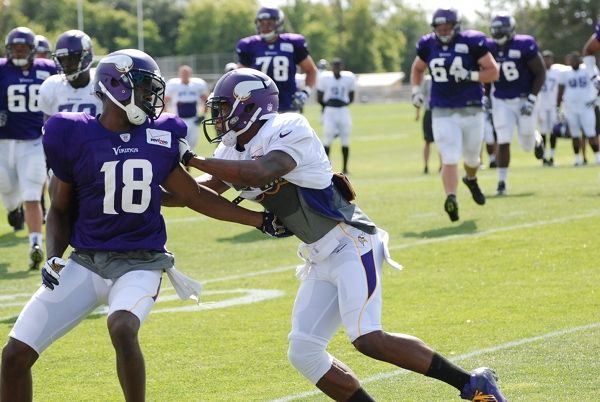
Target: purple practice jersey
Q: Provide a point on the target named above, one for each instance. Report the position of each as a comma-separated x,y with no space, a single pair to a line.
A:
278,60
115,177
445,60
19,90
516,79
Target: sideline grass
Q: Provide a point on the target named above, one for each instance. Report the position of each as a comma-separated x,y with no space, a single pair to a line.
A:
522,266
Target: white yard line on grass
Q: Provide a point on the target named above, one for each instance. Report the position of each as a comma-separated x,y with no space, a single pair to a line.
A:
491,349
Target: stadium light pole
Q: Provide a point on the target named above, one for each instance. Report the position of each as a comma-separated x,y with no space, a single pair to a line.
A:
80,15
140,24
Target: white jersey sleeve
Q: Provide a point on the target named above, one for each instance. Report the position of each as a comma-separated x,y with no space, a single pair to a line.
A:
47,95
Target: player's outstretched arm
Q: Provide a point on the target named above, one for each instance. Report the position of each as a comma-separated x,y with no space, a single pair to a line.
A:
206,201
488,69
592,46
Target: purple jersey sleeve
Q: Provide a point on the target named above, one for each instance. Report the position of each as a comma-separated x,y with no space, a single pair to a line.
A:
516,79
444,61
278,60
19,92
115,177
598,30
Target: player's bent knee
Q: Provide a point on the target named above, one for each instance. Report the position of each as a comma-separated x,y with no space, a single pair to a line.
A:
309,358
17,355
370,344
123,326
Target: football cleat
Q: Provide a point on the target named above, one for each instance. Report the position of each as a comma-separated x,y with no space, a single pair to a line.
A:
493,165
36,255
16,218
478,196
501,190
538,151
451,207
482,387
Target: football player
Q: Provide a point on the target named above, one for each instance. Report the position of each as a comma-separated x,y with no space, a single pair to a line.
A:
106,205
335,91
72,89
278,161
591,47
276,54
578,95
514,95
547,115
186,96
22,162
459,62
43,49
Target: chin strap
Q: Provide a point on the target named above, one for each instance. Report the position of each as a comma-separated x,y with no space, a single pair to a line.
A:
135,114
229,139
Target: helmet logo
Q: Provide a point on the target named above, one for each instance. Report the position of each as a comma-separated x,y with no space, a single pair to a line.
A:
242,90
122,62
270,107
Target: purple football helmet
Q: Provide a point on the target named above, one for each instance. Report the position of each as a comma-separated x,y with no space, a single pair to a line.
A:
503,28
43,48
446,16
240,98
20,35
265,13
73,54
131,80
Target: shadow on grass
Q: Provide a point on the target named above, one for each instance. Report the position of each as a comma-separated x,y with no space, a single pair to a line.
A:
10,239
512,195
466,227
25,272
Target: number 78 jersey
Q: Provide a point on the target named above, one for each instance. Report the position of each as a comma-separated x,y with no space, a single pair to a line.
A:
116,178
447,62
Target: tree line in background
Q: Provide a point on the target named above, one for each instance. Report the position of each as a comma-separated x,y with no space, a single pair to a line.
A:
370,35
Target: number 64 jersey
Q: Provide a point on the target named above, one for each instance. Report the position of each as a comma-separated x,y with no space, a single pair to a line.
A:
447,62
116,178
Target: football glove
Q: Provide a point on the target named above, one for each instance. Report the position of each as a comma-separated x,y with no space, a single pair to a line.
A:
51,272
487,104
417,97
596,82
273,226
528,105
185,152
300,98
198,120
464,75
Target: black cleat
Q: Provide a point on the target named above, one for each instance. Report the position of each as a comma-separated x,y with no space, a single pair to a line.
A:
538,151
36,255
425,170
478,196
16,218
451,207
493,165
501,190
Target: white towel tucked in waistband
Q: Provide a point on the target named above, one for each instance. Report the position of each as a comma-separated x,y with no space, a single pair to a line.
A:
186,287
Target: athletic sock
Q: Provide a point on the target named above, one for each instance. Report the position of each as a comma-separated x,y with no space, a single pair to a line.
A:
444,370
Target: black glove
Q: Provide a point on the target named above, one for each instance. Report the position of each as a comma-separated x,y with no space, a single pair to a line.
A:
185,152
273,227
51,272
199,120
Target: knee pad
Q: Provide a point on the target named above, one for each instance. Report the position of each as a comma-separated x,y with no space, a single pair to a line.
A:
309,358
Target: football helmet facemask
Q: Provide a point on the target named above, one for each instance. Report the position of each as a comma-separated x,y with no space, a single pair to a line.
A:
131,80
240,98
73,54
20,36
502,28
266,13
445,16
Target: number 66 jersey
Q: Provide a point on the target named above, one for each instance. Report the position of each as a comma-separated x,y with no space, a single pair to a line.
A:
116,178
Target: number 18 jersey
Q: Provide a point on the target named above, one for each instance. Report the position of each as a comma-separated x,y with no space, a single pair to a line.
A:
116,178
445,61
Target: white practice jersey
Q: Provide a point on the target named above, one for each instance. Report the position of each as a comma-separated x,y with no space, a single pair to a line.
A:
290,133
579,89
57,95
185,97
336,89
548,94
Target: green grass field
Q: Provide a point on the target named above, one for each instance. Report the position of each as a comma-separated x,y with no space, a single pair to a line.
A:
512,285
